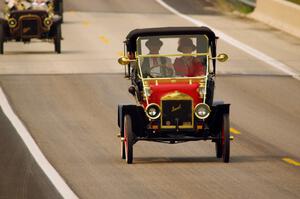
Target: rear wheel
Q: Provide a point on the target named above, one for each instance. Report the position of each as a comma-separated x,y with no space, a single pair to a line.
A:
57,39
128,139
1,39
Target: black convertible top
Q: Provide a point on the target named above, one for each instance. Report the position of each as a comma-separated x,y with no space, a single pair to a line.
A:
134,34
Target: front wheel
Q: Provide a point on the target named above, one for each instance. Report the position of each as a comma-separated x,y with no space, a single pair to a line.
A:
223,142
219,148
1,39
123,151
225,138
128,139
57,39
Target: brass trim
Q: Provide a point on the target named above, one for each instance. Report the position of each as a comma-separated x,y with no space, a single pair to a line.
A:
177,79
173,55
221,57
176,95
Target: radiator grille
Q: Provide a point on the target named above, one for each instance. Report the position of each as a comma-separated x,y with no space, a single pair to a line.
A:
30,28
177,112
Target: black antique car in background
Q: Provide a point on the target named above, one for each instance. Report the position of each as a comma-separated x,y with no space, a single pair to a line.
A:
25,25
172,72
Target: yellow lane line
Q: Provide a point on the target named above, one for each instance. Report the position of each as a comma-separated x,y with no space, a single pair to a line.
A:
291,161
104,40
120,53
86,23
234,131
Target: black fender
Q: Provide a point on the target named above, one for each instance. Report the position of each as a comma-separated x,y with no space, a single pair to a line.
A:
210,90
57,20
5,28
138,116
2,21
218,109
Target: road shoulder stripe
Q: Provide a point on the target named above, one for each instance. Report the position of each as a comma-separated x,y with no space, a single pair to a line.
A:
37,154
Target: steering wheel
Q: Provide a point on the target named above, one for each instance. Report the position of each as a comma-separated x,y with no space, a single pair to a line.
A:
165,71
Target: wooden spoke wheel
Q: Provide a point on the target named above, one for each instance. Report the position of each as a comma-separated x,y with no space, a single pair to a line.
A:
223,143
1,39
128,139
57,39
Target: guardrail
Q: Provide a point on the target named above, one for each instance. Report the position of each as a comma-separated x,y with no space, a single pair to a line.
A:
251,3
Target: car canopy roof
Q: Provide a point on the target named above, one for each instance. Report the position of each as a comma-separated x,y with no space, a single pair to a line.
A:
134,34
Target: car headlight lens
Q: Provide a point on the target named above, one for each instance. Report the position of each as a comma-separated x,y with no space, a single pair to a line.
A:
202,111
153,111
48,21
12,22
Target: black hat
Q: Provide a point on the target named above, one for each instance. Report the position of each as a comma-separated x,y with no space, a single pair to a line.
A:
153,42
185,42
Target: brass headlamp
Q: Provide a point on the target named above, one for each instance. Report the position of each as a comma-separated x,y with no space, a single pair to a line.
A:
12,22
48,22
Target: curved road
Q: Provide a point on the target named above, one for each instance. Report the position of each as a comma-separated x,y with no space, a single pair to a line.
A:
68,103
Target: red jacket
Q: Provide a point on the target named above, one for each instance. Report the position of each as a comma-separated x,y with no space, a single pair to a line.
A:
189,66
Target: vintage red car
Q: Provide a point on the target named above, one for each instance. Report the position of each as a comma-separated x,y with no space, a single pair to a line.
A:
172,72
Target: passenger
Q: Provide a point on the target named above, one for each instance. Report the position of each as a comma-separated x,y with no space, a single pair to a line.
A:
39,5
161,66
188,65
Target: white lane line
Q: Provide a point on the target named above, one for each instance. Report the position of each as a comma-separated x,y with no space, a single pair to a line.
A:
37,154
230,40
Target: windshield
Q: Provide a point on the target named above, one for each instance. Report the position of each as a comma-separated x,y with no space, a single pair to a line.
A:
170,56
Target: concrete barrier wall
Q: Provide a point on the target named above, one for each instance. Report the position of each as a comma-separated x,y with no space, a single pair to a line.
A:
280,14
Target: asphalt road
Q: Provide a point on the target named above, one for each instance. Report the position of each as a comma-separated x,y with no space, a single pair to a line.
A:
68,102
20,175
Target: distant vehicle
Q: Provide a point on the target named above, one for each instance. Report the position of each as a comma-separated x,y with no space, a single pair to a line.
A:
172,74
22,25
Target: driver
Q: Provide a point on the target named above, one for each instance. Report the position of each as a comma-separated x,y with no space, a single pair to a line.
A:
18,4
188,65
157,65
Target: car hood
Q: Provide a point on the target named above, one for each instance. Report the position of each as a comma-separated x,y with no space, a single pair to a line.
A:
160,90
